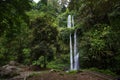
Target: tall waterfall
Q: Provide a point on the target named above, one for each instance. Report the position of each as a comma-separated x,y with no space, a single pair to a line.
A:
71,52
74,58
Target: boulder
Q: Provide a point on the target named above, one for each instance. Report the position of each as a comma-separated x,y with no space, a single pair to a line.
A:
13,63
10,70
54,70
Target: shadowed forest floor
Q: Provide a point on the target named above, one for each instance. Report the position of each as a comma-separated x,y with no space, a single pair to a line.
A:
86,75
35,73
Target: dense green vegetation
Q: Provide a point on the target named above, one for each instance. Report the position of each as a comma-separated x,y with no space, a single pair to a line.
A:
37,34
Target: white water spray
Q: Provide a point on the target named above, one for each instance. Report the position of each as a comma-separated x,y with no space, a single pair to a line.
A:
74,58
71,55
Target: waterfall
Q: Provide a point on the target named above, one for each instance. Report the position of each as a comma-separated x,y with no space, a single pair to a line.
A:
75,50
74,58
71,55
71,52
69,21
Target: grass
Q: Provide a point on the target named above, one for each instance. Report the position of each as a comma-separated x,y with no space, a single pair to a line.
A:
36,74
107,71
73,72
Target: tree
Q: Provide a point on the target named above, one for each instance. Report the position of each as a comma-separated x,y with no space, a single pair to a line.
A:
11,11
44,40
13,23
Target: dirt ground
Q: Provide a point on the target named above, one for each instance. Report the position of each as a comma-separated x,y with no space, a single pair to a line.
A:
64,76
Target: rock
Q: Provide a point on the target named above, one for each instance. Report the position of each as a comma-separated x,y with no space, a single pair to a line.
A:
10,70
53,70
13,63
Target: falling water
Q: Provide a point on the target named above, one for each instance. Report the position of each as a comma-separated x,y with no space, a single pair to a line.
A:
71,55
75,50
69,21
71,52
74,58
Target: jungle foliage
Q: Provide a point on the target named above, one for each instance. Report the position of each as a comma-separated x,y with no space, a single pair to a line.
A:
36,33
